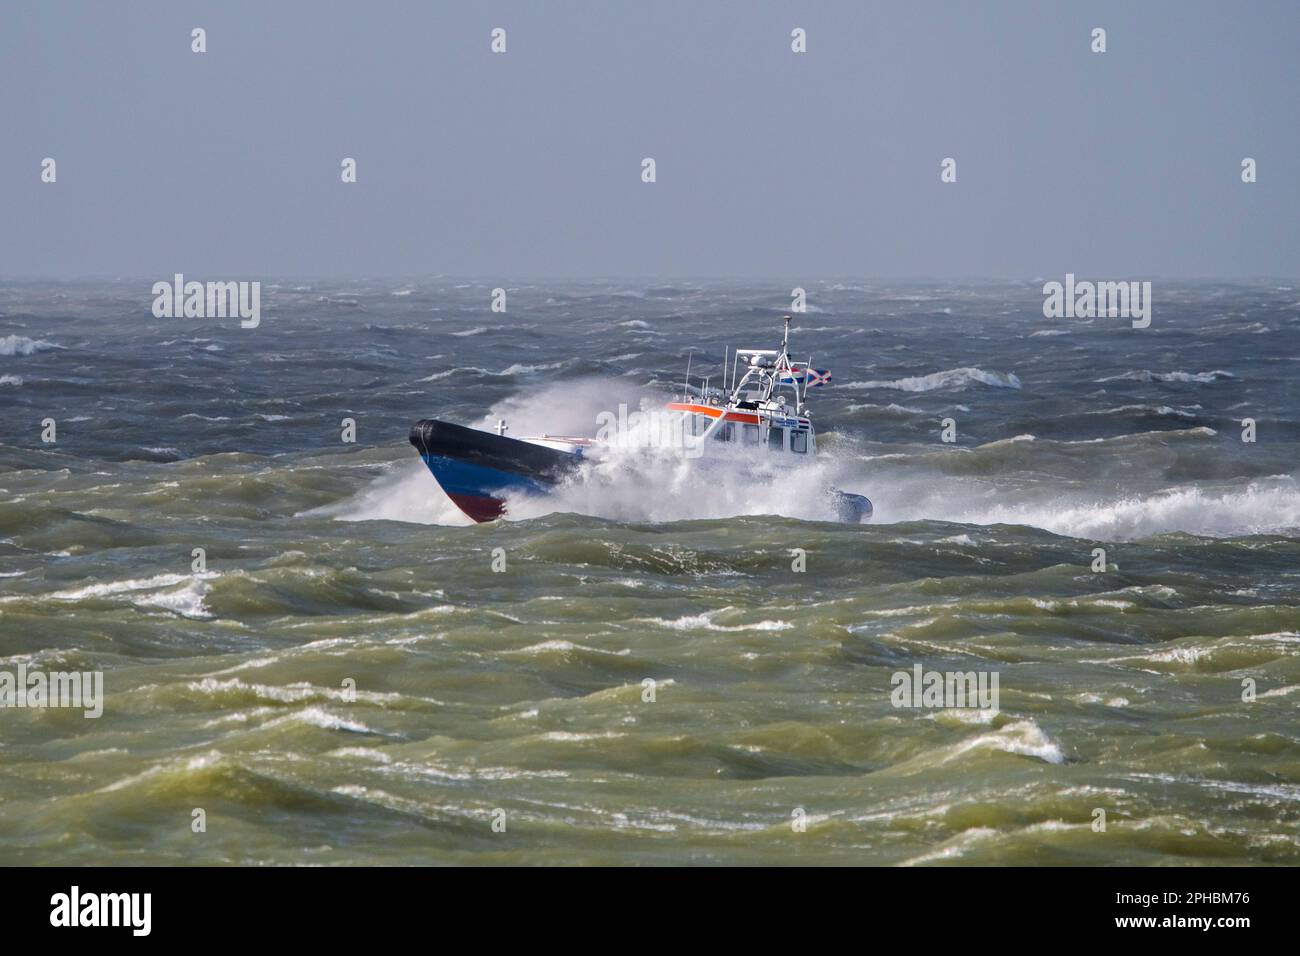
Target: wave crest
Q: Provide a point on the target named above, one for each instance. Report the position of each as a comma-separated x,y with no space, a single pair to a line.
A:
953,378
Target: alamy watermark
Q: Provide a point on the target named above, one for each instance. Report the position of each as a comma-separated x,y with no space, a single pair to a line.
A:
920,688
35,689
211,300
649,429
1088,300
75,908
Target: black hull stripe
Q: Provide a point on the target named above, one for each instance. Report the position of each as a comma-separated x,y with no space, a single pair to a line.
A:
544,465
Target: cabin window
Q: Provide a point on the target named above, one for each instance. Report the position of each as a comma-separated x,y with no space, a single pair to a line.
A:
799,442
749,434
776,438
724,432
700,424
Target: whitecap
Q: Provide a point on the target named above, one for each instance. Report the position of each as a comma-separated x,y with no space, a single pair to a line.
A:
950,378
22,345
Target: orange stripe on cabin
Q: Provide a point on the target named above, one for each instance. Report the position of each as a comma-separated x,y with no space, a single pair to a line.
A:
699,409
713,412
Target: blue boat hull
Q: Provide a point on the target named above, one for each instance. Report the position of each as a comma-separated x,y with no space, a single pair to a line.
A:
480,471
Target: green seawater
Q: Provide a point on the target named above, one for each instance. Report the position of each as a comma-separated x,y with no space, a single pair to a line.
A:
647,678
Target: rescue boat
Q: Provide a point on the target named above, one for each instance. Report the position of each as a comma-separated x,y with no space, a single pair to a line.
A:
762,409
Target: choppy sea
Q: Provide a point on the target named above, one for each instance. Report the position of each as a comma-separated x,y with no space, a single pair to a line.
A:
345,679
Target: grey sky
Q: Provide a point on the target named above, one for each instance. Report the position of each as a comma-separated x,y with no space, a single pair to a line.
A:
226,164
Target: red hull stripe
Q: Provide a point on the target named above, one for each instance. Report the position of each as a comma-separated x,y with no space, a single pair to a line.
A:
479,507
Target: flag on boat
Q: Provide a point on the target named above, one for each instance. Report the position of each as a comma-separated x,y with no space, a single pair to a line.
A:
814,377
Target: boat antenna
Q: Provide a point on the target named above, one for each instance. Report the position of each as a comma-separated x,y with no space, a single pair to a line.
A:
785,339
687,391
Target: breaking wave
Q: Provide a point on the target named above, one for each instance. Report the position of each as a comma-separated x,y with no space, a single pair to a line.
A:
22,345
953,378
1258,507
1146,375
